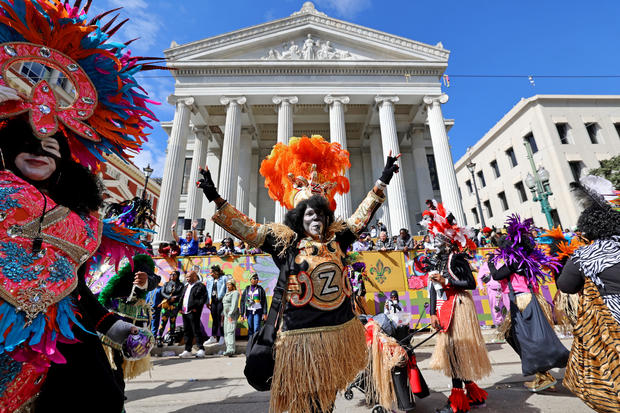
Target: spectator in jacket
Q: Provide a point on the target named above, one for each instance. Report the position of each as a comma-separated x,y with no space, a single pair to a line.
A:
362,244
404,242
254,305
207,248
172,294
227,247
189,244
194,298
216,288
231,314
373,231
384,243
154,299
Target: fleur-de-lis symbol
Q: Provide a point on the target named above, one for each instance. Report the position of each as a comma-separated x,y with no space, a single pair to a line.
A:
380,272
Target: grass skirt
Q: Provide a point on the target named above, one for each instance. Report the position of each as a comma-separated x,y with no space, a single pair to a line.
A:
313,364
461,352
565,310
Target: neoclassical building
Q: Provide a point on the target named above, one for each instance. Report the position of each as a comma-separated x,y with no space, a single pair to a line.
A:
238,94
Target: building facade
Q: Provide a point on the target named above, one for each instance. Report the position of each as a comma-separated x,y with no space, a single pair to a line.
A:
568,134
238,94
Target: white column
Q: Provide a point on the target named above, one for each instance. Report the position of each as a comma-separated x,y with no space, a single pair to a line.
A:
420,164
243,176
443,157
338,134
214,154
284,107
227,187
254,178
399,212
194,194
168,206
378,163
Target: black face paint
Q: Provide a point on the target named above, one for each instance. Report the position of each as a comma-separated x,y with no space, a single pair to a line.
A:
34,146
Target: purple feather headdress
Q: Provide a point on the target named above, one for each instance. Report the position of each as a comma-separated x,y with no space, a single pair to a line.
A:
359,266
520,248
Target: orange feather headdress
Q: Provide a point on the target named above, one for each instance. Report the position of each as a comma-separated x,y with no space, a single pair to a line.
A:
306,167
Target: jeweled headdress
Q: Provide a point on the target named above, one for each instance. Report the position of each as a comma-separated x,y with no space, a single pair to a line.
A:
306,167
59,68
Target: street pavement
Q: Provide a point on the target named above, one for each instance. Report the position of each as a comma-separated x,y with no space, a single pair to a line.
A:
216,384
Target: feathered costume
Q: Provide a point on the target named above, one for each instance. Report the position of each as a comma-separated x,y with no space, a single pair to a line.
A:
460,352
321,345
47,314
593,271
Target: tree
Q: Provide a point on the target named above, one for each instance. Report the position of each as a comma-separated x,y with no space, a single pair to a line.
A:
610,169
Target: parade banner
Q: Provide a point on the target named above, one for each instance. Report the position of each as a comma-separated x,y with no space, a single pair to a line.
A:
385,271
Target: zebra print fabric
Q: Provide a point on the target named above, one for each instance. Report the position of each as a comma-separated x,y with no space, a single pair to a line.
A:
613,303
593,370
595,258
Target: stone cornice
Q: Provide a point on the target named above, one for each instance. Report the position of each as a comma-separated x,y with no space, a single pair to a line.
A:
304,71
316,20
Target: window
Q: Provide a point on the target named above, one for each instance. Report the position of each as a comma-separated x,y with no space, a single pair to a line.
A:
576,167
555,217
510,153
474,212
521,190
483,183
563,131
503,200
594,132
62,81
495,169
34,71
529,138
617,126
432,170
470,189
187,169
487,205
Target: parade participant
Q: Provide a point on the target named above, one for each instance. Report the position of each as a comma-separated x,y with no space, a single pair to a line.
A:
194,299
47,233
154,299
460,352
498,301
189,244
519,264
216,288
230,311
125,295
254,305
356,278
593,370
318,322
172,293
392,306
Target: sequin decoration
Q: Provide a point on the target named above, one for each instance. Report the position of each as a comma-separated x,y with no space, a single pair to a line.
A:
9,369
61,270
89,231
16,262
6,202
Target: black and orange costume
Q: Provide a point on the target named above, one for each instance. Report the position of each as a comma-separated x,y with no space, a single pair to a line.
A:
318,320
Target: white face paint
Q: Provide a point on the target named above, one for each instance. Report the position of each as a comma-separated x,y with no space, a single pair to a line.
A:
314,223
35,168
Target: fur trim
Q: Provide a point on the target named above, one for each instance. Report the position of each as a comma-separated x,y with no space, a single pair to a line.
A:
458,401
475,393
312,366
284,236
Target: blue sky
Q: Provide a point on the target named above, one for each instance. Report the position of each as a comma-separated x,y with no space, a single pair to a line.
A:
485,37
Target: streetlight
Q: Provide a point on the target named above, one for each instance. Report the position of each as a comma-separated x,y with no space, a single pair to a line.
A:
472,167
539,185
147,172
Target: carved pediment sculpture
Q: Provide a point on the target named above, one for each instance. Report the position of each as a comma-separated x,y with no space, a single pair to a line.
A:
310,49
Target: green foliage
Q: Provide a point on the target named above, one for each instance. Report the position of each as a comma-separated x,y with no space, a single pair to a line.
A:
610,169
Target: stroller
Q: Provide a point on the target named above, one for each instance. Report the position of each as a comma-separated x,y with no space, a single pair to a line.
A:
405,394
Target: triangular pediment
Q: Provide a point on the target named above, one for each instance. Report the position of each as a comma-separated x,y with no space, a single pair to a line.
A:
307,35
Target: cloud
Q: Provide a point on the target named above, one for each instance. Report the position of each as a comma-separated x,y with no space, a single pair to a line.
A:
142,23
152,155
344,8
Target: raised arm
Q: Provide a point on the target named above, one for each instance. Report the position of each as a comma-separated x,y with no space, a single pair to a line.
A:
229,217
173,228
366,210
194,232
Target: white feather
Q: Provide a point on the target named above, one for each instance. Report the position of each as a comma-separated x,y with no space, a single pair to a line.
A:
7,93
599,185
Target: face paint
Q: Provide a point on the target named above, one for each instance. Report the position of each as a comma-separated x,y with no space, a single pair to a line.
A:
314,223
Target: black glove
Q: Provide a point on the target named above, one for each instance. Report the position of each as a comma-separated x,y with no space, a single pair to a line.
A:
390,169
207,185
486,278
